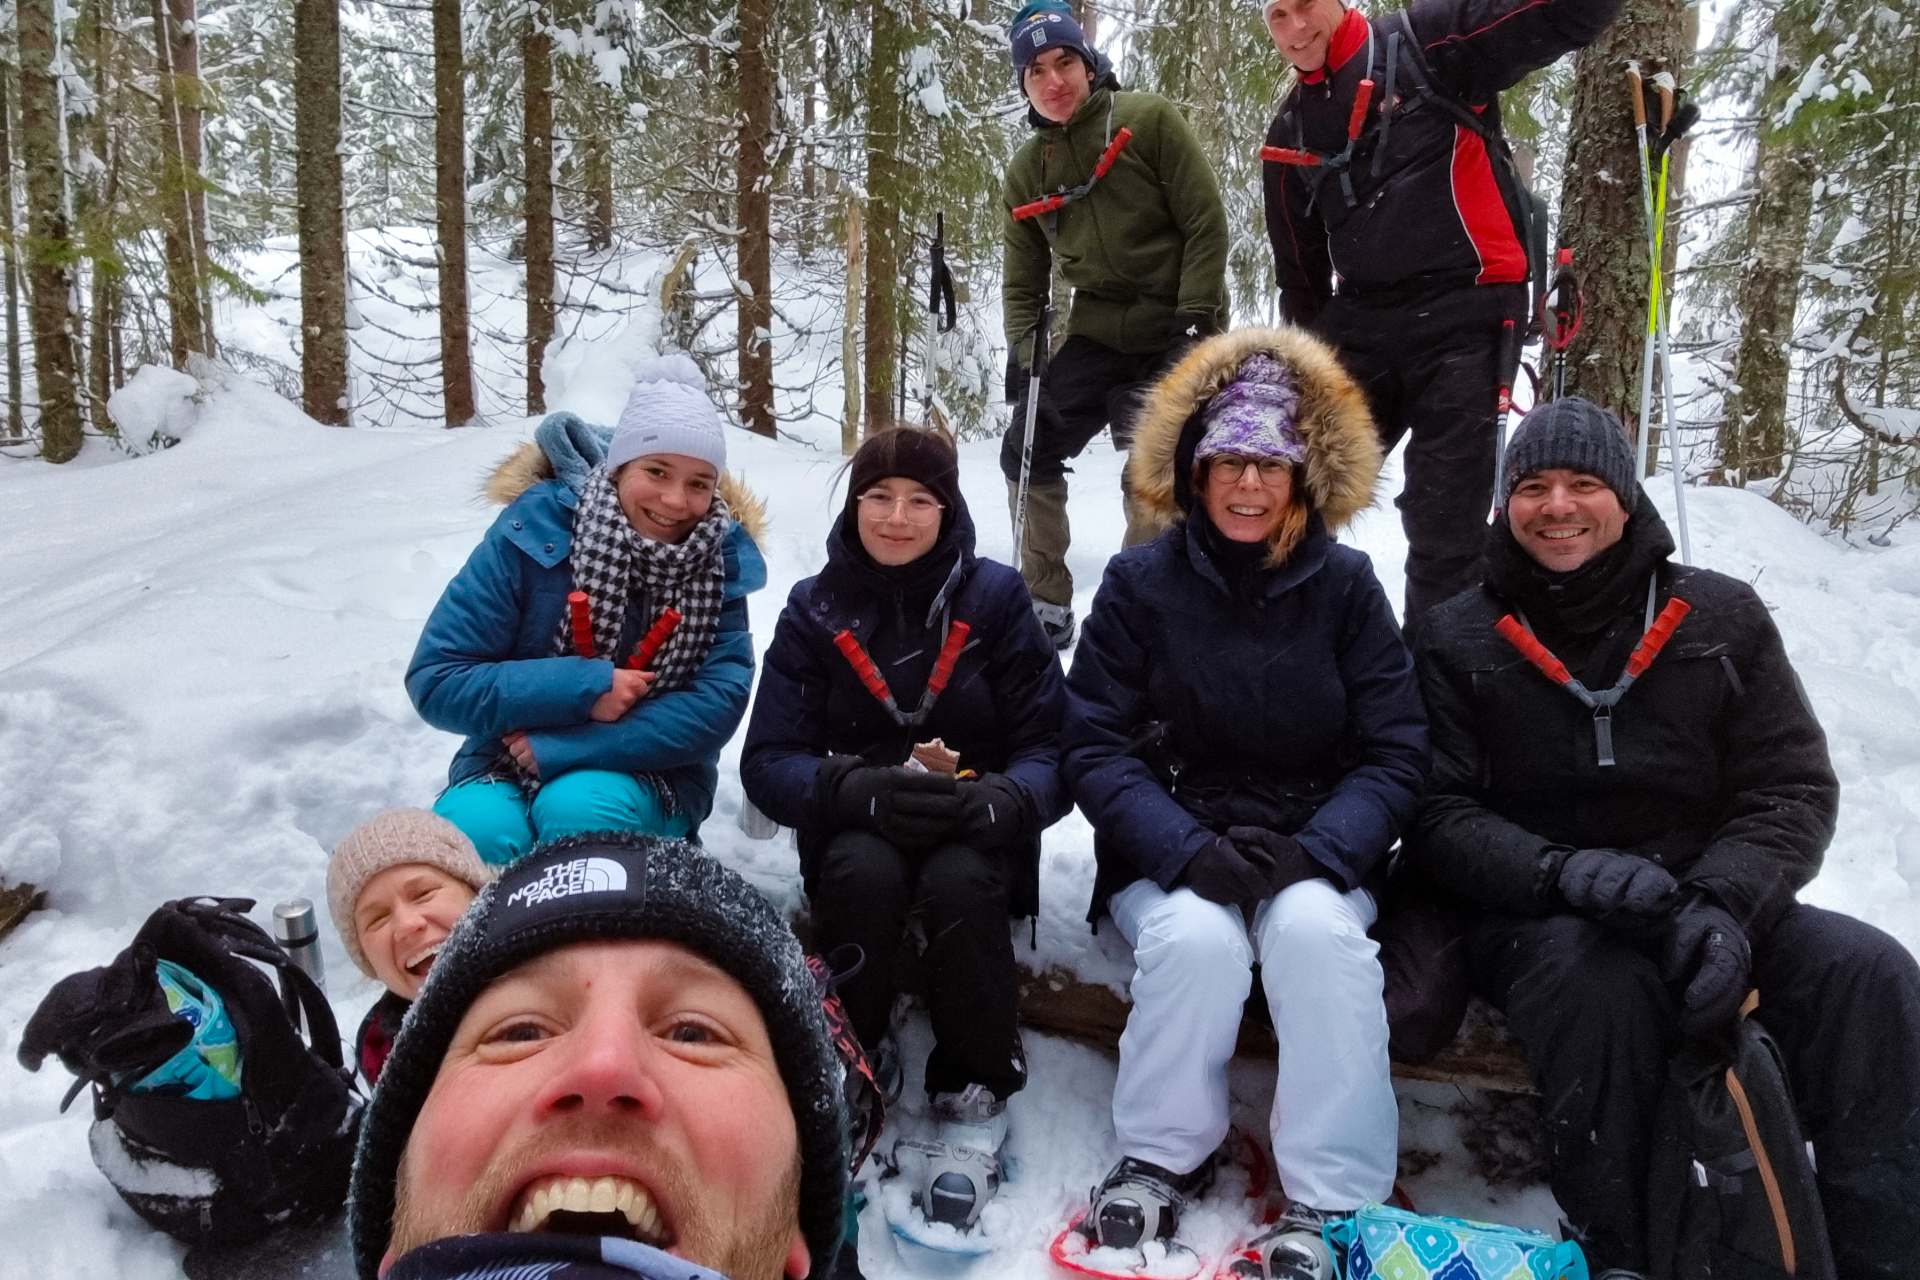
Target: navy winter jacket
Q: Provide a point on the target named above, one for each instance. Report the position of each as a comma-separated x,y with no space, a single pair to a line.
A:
1001,710
485,666
1287,701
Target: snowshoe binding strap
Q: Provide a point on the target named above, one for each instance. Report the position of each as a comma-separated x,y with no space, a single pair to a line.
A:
876,684
1140,1201
1602,702
1061,199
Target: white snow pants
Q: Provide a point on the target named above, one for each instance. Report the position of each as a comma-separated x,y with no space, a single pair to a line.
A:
1335,1122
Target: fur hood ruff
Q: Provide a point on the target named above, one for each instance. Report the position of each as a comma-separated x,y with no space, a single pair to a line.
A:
1343,449
529,465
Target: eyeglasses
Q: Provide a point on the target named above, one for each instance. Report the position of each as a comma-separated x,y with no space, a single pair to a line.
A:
878,504
1228,468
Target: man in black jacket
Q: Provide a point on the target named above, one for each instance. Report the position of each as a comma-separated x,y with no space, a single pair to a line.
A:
1421,219
1633,875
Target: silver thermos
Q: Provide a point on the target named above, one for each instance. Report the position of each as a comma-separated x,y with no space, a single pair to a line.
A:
297,929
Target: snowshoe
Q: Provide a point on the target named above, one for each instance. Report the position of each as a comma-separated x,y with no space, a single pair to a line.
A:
1057,621
956,1174
1131,1229
1294,1248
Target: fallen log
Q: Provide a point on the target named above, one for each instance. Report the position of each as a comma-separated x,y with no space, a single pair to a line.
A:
1482,1055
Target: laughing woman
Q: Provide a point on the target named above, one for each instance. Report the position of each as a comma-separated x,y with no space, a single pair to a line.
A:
1246,735
546,649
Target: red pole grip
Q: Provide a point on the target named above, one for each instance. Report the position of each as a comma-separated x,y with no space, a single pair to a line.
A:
582,618
949,654
1112,152
656,636
1287,155
1045,204
1507,359
1362,99
863,667
1533,651
1657,636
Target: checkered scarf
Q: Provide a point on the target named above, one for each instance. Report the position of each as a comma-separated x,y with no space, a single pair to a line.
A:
612,562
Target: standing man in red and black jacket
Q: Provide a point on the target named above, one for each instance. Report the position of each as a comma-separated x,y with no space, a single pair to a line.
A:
1403,193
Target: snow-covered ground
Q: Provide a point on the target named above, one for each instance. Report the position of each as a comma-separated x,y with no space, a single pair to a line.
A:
200,692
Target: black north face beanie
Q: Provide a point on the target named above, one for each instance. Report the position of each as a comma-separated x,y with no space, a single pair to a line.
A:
602,887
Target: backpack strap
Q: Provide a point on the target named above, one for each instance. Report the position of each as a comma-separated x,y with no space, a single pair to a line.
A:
223,918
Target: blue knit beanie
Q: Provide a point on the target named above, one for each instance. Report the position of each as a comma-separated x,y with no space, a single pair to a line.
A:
1043,25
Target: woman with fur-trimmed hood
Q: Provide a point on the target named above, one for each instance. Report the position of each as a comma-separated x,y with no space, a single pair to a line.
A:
535,650
1245,733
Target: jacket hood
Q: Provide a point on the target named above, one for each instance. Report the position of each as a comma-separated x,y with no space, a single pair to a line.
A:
1104,77
849,569
529,465
1343,449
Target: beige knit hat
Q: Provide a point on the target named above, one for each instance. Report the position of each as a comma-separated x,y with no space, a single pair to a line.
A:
395,838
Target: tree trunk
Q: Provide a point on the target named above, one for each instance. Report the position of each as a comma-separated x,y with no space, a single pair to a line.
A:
106,271
753,248
190,95
850,334
176,200
536,54
599,176
884,182
16,422
1604,219
450,210
1753,428
49,240
322,215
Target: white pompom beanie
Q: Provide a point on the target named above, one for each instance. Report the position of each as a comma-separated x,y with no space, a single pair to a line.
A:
668,412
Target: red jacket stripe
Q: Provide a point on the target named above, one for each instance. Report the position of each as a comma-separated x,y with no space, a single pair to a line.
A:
1476,198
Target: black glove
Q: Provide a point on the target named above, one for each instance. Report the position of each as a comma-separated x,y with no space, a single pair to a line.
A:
1616,888
1190,329
994,812
1707,954
1247,866
912,809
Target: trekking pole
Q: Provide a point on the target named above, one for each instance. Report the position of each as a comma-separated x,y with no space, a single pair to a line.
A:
1034,376
1636,92
1672,126
942,314
1562,312
1509,364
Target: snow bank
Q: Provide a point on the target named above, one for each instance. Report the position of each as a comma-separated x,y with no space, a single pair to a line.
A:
155,409
200,691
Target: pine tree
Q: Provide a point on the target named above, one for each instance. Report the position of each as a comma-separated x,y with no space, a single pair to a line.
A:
450,210
753,241
50,251
322,215
536,55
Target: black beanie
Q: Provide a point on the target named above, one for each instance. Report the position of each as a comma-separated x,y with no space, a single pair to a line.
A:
1574,435
610,886
915,453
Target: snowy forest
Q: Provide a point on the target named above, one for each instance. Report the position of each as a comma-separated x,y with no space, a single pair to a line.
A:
397,212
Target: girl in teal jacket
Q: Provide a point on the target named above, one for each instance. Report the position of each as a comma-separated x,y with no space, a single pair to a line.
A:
564,732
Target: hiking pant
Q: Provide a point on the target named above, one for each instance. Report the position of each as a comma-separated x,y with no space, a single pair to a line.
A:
1431,369
1598,1026
496,815
1335,1123
866,890
1088,386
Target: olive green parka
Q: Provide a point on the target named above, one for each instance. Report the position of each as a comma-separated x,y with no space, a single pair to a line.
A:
1147,243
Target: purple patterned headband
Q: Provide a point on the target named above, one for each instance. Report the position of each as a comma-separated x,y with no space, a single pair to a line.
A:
1254,414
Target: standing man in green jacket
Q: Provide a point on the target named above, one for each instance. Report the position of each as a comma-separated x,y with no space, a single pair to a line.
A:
1144,250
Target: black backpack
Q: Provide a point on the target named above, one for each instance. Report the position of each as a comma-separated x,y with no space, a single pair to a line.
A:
1731,1192
207,1172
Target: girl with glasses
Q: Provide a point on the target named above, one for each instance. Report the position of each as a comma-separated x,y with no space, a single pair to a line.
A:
904,637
